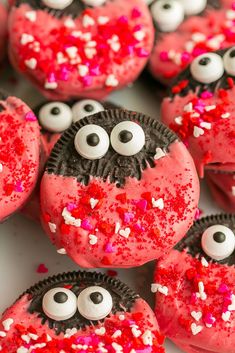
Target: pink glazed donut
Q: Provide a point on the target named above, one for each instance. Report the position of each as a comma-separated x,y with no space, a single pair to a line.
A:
80,312
118,190
186,29
194,286
80,48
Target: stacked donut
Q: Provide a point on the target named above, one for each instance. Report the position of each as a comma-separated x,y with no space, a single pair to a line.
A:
116,188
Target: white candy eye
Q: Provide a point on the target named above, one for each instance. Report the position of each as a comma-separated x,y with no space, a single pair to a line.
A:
229,61
85,107
168,14
57,4
95,303
94,3
218,242
127,138
59,304
55,117
193,7
92,142
207,68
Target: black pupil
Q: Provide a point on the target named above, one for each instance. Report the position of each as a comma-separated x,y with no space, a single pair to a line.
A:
55,111
232,53
166,6
88,108
219,237
60,297
96,297
93,140
204,61
125,136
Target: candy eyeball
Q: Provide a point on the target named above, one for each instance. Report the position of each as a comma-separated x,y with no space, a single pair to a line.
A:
168,14
207,68
59,304
192,8
85,108
127,138
218,242
57,4
55,117
229,61
92,142
94,3
95,303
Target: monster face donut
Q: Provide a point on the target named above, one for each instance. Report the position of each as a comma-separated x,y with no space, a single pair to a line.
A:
118,190
194,288
80,312
201,111
19,154
55,118
3,30
80,48
186,29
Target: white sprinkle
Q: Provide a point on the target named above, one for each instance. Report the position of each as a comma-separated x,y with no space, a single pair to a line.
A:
70,332
121,317
147,338
196,315
125,232
102,20
90,52
61,251
72,52
100,331
208,108
225,115
31,15
117,347
139,35
76,34
111,81
197,131
92,239
117,334
231,307
87,21
49,338
83,70
31,63
33,336
86,36
135,332
50,85
117,227
179,120
204,262
226,316
205,125
158,203
198,37
196,329
233,190
22,350
171,54
69,23
156,287
69,219
52,227
26,38
61,59
1,167
2,334
159,153
93,202
25,338
7,324
189,46
230,14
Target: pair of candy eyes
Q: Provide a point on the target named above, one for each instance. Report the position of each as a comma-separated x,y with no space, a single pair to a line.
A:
93,303
218,242
62,4
92,141
210,67
57,117
169,14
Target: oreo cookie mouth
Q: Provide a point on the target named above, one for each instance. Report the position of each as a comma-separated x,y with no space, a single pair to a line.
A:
71,285
74,10
132,150
185,83
192,242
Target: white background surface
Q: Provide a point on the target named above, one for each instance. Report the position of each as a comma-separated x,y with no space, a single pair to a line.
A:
23,245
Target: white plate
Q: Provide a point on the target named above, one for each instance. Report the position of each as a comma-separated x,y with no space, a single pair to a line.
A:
23,245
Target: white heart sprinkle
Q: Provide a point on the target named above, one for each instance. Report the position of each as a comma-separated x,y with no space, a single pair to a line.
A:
7,324
156,287
51,85
69,23
158,203
196,328
100,331
179,120
102,20
31,63
159,153
52,227
225,115
1,167
31,15
204,262
125,232
196,315
26,38
139,35
87,21
206,125
93,202
61,251
111,81
197,131
93,239
226,316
